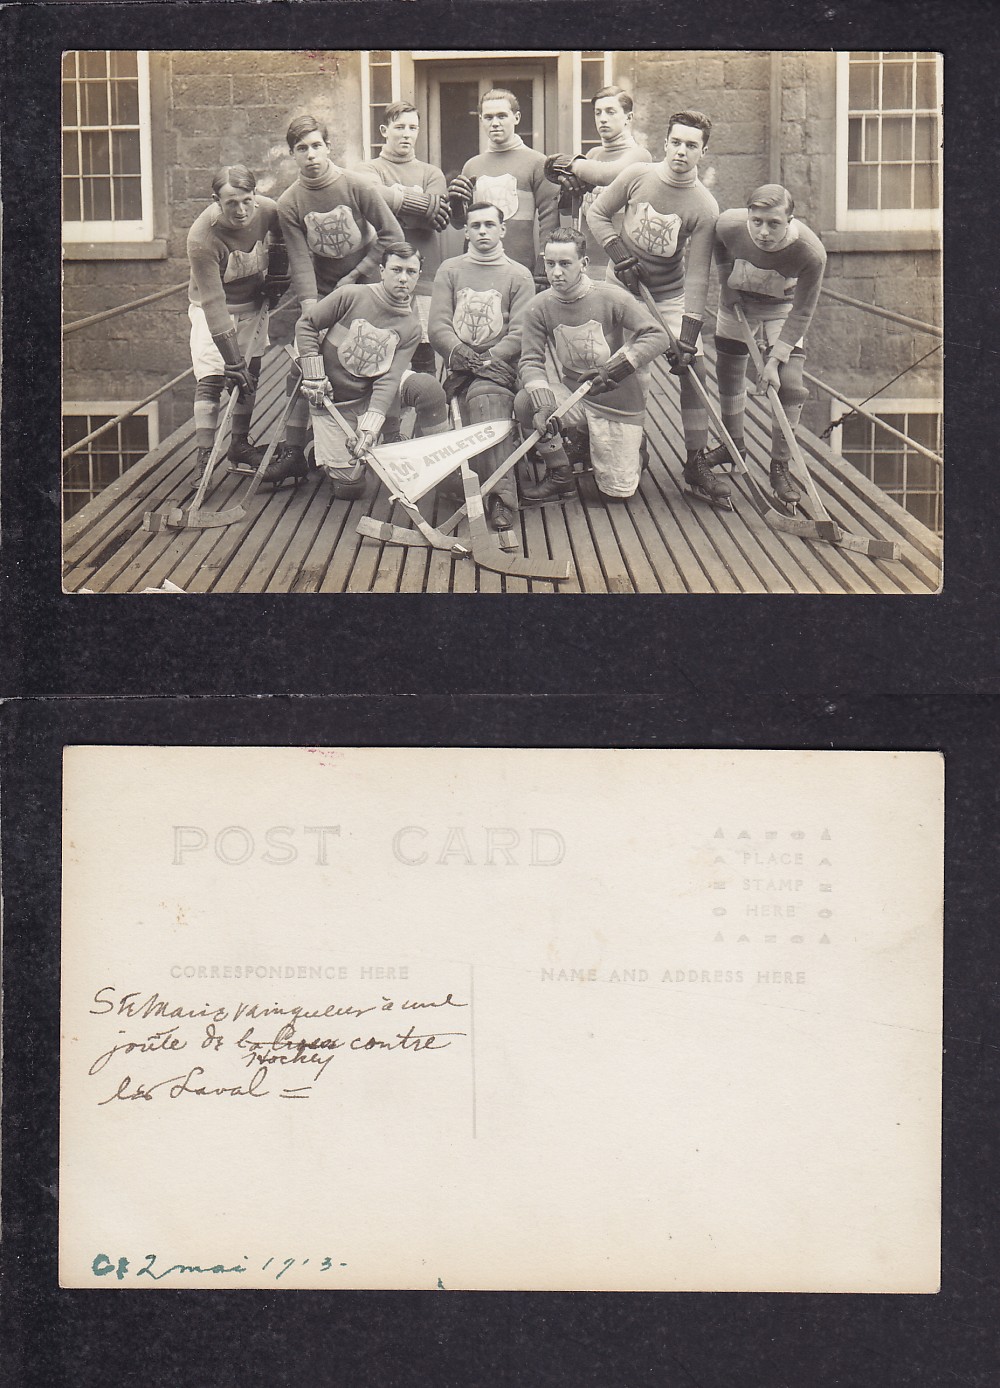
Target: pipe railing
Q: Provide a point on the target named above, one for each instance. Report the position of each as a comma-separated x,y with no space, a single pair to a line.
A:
915,323
92,318
126,414
867,414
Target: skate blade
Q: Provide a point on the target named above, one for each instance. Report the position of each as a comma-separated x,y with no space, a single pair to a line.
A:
789,508
552,501
244,469
717,503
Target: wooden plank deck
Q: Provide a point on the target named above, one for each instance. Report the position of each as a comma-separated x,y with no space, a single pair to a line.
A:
301,540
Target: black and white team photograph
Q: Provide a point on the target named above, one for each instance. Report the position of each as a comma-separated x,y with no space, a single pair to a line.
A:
441,321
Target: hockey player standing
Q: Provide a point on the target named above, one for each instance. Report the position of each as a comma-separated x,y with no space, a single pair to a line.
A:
478,301
355,345
417,195
336,225
591,331
772,265
511,177
586,174
238,262
669,215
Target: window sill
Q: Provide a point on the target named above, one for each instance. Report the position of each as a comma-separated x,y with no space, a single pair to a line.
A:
115,250
840,242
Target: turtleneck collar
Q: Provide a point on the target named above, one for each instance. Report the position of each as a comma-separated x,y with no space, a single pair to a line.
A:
583,288
515,142
397,158
333,172
687,180
626,140
384,299
496,256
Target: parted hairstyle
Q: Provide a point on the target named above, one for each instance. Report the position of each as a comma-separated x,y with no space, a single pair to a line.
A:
697,119
237,176
481,206
397,109
624,99
771,195
305,125
401,248
570,236
500,94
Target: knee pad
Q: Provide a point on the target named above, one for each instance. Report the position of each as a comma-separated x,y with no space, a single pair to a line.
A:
423,393
210,388
524,411
487,400
791,391
729,347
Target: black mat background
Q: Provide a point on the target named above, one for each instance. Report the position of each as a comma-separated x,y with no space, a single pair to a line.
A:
782,672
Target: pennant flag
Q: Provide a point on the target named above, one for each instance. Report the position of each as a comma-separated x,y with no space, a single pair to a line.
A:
412,468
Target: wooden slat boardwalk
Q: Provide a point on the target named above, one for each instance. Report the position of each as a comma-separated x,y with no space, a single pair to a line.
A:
301,540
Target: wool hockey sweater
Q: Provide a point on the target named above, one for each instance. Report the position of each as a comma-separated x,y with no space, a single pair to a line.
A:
330,229
514,180
661,221
393,175
584,334
481,306
789,279
228,265
368,344
601,167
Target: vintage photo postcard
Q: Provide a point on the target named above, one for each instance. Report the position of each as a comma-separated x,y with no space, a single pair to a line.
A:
502,321
501,1019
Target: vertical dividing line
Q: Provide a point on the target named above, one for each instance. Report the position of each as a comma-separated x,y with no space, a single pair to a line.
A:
472,1039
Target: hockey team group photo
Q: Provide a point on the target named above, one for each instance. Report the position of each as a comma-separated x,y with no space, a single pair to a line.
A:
385,321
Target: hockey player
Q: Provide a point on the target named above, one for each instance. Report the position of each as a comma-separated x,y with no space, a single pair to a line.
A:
596,332
511,177
336,225
476,309
417,195
355,345
586,174
668,214
238,263
772,265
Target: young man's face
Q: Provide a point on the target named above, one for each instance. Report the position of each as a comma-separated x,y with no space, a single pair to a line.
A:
564,266
399,277
609,117
236,204
485,229
684,148
312,154
768,226
499,120
401,136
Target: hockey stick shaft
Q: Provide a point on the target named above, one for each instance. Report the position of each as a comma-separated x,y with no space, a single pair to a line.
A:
225,421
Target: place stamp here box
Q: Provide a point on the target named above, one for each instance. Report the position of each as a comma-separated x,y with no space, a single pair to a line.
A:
537,1019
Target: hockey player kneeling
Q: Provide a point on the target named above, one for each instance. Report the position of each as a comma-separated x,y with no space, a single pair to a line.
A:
772,265
595,332
355,348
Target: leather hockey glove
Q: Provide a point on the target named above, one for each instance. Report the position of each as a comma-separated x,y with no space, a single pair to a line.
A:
463,358
438,214
235,369
277,280
501,373
610,375
687,346
415,202
366,434
626,265
461,192
543,402
315,385
558,166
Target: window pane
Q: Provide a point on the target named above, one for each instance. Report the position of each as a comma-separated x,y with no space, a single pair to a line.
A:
591,80
924,508
71,200
927,93
921,473
135,433
897,87
71,159
925,186
70,107
94,64
381,85
128,199
871,143
69,66
75,426
94,103
923,428
864,86
925,137
96,200
125,148
854,140
96,149
856,432
896,187
862,187
107,467
124,64
125,103
888,470
76,471
897,138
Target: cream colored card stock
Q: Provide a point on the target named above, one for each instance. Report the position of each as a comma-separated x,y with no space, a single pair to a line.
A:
490,1019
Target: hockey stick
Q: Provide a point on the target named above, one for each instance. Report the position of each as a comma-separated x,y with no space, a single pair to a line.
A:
858,544
181,518
506,539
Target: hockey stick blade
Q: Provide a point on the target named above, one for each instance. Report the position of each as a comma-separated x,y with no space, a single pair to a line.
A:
488,556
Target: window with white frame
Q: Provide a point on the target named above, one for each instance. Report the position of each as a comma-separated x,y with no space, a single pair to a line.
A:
104,459
595,73
901,471
107,180
888,141
379,89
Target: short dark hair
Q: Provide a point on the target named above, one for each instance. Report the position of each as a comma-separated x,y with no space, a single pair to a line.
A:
401,248
305,125
500,94
480,206
397,109
697,119
624,99
570,236
237,176
771,195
